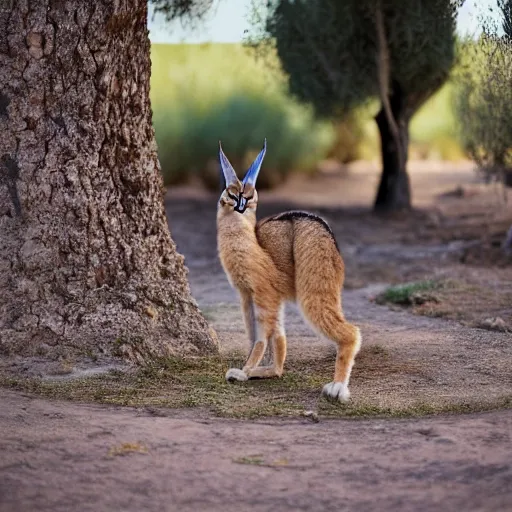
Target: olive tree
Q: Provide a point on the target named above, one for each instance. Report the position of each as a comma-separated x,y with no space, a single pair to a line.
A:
339,55
87,263
484,98
484,101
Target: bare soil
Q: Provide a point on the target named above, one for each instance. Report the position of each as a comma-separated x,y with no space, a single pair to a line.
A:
63,456
58,457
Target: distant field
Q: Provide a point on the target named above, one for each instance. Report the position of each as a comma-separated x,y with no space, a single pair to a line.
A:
203,93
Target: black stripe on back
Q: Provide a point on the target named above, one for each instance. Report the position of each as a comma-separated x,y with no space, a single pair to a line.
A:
292,215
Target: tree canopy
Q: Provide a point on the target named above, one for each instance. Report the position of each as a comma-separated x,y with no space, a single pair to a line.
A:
331,50
339,55
185,10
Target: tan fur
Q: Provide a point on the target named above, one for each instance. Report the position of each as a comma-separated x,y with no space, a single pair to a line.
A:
274,261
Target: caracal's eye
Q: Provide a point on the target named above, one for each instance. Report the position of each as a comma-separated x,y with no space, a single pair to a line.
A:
229,198
252,197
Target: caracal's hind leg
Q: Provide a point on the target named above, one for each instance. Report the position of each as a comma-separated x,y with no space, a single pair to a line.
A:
319,275
265,323
278,340
330,322
348,340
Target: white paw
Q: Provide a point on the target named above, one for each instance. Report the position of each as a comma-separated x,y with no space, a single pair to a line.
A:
336,391
235,374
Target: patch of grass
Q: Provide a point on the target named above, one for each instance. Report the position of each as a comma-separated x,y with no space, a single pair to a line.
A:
199,382
406,294
251,460
415,409
470,303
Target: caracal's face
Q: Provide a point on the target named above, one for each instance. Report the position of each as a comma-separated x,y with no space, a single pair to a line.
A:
239,198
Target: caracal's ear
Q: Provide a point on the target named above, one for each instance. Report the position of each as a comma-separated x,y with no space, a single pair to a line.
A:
252,174
228,173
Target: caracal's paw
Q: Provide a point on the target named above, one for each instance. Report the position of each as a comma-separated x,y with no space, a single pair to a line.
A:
235,374
336,391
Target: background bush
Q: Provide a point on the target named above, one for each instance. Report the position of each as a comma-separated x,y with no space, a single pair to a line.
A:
205,93
483,105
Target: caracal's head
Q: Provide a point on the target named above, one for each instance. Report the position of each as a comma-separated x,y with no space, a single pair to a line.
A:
240,196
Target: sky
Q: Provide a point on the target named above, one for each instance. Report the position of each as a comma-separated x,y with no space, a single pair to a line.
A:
228,21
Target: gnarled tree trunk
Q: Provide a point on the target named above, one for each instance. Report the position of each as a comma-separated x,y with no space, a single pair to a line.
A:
394,192
87,263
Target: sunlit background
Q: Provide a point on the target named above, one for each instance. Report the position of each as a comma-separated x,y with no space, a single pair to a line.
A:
207,86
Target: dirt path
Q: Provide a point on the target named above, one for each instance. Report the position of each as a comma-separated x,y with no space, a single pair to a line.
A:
406,361
55,457
61,456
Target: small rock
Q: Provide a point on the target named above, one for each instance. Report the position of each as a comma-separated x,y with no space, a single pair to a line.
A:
419,298
151,312
311,415
130,297
495,324
43,349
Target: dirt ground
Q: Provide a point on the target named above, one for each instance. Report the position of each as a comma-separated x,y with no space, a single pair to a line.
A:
65,456
58,457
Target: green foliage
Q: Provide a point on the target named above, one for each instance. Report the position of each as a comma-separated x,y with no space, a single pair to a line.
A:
404,294
433,129
506,11
205,93
330,52
484,98
186,10
349,133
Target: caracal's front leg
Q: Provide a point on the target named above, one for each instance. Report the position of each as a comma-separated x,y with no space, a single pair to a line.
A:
278,339
264,325
248,312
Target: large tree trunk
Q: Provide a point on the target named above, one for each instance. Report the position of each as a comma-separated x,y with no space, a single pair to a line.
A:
394,192
87,263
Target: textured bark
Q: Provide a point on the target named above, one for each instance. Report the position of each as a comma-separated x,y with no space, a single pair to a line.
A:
394,192
87,263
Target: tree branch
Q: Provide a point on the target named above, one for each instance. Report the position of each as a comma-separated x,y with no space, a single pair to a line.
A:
383,68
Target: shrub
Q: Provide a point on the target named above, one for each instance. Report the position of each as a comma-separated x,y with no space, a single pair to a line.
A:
219,92
484,102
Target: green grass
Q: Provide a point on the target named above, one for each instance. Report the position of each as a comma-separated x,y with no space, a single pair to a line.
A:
200,383
404,294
